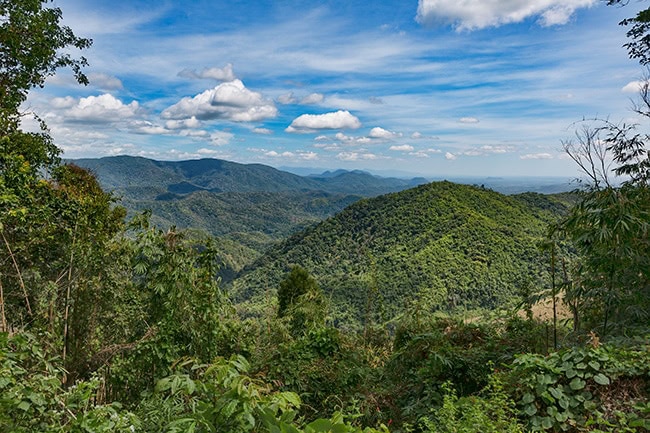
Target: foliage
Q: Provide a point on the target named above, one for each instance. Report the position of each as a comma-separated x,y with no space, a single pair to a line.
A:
221,397
602,388
639,33
439,246
429,353
609,227
33,399
300,298
31,49
492,412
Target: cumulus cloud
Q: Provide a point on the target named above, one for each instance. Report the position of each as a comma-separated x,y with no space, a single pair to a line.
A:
314,122
478,14
450,156
220,74
263,131
537,156
634,86
192,122
382,133
229,101
468,120
402,148
98,109
105,82
314,98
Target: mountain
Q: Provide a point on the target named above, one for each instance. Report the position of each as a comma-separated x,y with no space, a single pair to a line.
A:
437,246
140,177
254,203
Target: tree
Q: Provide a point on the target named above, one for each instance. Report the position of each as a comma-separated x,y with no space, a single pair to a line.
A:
300,297
610,225
32,48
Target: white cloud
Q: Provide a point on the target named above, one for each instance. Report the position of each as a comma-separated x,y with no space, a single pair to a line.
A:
351,140
496,149
274,154
478,14
382,133
287,99
402,148
229,101
416,135
450,156
105,82
334,120
66,102
144,127
537,156
634,86
192,122
468,120
299,155
309,156
220,74
220,138
355,156
99,109
263,131
314,98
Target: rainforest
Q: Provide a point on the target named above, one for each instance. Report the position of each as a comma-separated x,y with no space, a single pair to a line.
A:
206,295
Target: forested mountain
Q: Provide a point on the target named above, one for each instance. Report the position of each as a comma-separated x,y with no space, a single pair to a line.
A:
252,203
143,178
440,245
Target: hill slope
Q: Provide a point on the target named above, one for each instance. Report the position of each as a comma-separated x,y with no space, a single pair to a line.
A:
252,203
141,178
443,245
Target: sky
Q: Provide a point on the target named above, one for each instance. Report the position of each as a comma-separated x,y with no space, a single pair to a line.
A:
428,87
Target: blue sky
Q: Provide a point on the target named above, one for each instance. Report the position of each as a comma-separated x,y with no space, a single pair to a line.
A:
435,87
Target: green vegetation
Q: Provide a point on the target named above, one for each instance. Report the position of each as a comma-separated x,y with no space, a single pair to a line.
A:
115,326
440,246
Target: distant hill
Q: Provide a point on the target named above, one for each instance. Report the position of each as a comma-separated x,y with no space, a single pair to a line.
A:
441,245
138,178
253,203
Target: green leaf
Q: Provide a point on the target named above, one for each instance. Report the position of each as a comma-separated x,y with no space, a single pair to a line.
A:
528,398
24,405
530,410
577,384
601,379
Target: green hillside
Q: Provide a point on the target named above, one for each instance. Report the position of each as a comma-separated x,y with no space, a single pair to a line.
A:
141,178
253,218
251,203
443,245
